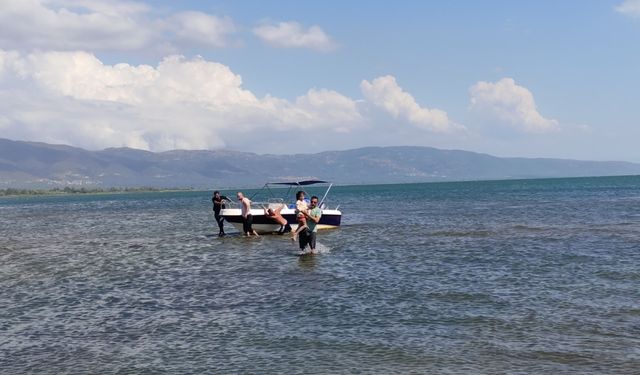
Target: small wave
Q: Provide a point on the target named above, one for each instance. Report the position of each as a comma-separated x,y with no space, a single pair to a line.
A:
630,311
619,275
458,296
320,249
529,228
472,233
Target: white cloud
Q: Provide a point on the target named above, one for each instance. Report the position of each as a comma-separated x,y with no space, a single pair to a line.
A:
8,60
201,28
385,93
293,35
630,8
70,25
330,108
100,25
74,98
81,75
112,7
509,103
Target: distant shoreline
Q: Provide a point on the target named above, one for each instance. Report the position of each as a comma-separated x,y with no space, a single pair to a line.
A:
12,192
17,192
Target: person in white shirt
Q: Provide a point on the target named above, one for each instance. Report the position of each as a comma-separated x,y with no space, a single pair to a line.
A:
301,208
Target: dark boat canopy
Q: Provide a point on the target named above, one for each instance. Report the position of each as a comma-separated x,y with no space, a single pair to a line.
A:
299,183
292,186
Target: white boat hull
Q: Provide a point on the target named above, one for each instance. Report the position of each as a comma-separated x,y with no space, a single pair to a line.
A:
262,224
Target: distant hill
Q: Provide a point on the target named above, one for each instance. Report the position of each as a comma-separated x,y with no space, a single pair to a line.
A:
41,165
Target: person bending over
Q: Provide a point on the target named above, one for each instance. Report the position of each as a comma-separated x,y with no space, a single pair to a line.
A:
278,218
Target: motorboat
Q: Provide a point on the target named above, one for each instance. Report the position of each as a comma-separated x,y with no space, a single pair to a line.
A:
281,195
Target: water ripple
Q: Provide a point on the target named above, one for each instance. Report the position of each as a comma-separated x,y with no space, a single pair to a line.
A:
458,278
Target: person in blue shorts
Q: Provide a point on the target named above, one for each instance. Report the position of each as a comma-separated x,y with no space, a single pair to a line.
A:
308,236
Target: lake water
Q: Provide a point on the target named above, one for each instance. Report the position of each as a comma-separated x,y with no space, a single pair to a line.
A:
513,277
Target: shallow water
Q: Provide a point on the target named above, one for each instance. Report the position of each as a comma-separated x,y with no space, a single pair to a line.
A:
509,277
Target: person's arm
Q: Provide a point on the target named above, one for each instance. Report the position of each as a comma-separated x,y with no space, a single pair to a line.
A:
224,198
215,204
314,218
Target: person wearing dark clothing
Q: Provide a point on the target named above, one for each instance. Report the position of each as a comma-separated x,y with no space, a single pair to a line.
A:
218,204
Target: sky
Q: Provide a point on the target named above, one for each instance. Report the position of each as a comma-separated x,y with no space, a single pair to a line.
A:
550,79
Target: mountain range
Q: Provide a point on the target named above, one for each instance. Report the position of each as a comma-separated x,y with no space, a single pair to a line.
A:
42,165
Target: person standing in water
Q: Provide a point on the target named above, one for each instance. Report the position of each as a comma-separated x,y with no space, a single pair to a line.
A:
308,236
247,218
218,204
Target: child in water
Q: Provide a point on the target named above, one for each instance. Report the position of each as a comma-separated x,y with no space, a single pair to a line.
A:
301,208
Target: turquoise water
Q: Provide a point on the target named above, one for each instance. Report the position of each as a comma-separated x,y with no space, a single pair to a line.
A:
509,277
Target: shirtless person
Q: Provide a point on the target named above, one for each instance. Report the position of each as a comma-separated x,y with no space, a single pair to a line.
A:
247,218
277,217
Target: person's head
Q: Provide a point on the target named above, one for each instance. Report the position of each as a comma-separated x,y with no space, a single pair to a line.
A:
313,202
300,195
240,195
216,193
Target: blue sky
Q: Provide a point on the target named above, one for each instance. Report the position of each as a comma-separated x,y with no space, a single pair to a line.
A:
509,78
